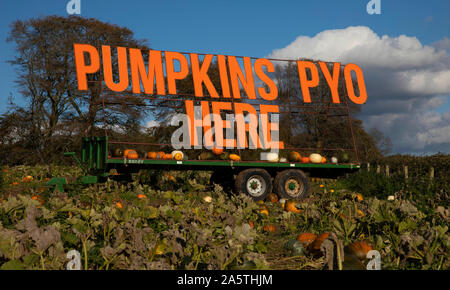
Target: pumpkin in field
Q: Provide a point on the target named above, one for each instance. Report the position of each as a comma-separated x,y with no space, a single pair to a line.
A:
294,156
217,151
324,160
315,246
28,178
264,210
289,205
305,160
151,155
358,249
306,239
269,228
251,224
272,197
235,157
315,158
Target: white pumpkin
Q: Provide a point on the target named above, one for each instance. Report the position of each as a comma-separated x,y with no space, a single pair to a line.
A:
334,160
282,159
272,157
315,158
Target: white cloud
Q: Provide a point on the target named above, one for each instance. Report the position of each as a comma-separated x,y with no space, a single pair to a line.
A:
406,81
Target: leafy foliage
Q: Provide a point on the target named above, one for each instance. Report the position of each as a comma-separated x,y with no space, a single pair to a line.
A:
171,225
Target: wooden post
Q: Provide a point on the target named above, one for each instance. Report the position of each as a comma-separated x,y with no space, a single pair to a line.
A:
387,170
368,167
406,171
378,168
431,173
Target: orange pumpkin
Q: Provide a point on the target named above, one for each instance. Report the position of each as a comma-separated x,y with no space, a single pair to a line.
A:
235,157
160,155
151,155
359,249
305,160
168,156
272,197
289,205
126,151
251,224
217,151
269,228
324,160
306,239
315,246
132,155
294,156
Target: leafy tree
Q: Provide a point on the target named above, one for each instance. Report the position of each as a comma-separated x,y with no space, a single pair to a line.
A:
46,77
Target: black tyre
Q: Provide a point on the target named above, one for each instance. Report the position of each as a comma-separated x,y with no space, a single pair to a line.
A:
292,184
256,183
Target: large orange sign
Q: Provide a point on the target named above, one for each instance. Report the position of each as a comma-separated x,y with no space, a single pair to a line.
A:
163,69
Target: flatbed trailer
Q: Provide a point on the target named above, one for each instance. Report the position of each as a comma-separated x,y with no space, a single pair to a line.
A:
255,178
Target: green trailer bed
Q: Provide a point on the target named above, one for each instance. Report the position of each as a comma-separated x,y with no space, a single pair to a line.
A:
97,165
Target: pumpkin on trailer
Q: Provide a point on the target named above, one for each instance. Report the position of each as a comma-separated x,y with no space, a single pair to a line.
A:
324,160
305,160
132,155
118,153
151,155
272,157
235,157
126,151
315,158
217,151
160,155
177,155
294,156
306,239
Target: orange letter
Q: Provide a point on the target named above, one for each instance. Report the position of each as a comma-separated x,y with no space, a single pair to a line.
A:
267,127
304,82
122,66
223,76
80,65
172,75
200,75
155,71
235,73
333,81
243,127
349,83
220,124
262,76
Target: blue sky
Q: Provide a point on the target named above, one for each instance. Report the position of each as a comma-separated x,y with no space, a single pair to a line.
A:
248,28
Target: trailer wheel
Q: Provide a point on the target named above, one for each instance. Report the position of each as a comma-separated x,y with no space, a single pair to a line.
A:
256,183
291,184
